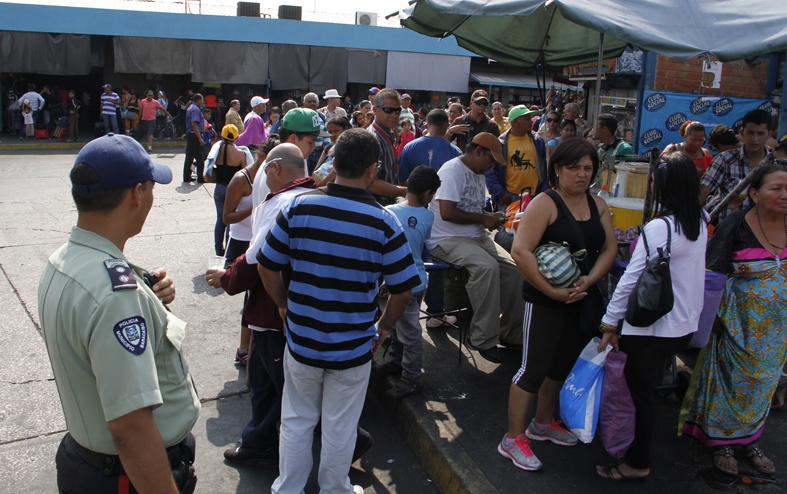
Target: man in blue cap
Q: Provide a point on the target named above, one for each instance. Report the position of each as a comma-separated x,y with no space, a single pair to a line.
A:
124,384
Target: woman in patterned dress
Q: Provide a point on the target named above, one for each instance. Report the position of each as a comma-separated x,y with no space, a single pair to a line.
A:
738,371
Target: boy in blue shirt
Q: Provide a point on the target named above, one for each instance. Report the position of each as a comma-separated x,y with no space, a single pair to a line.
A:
407,344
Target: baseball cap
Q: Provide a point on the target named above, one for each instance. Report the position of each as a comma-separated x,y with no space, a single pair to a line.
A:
373,90
120,162
229,132
406,96
479,95
301,120
107,86
492,143
520,111
782,142
257,100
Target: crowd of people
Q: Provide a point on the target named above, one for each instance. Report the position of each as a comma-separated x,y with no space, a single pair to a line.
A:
325,217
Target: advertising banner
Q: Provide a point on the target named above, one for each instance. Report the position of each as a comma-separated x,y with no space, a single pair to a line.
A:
664,113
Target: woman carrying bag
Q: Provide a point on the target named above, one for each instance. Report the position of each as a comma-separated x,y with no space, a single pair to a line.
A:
554,310
675,191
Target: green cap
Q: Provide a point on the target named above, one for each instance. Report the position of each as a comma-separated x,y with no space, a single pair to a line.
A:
520,111
301,120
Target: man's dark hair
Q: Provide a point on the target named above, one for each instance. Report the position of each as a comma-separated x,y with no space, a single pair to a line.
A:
609,121
98,200
285,134
340,121
437,117
272,141
721,135
568,123
569,153
423,178
471,146
423,111
757,117
355,151
31,87
196,97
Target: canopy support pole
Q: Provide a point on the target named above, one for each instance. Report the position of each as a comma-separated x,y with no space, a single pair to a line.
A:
597,107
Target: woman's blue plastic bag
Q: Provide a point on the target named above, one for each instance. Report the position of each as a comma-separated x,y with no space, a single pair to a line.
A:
580,397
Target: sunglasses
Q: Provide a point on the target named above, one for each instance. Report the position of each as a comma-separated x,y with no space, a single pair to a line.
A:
553,120
482,102
391,109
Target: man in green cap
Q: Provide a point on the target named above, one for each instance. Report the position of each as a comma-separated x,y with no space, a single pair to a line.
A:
127,395
525,160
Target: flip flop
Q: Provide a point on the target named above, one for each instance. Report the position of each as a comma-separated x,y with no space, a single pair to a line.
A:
757,459
724,452
606,473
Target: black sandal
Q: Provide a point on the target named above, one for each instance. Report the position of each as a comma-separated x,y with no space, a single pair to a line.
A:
607,473
724,452
757,459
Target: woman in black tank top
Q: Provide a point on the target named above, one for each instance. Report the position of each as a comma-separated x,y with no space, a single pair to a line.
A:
552,338
225,170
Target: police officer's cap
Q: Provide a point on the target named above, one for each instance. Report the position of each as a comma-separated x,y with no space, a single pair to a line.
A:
120,162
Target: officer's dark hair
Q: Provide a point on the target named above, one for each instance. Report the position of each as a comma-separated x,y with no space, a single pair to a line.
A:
355,151
98,200
196,97
437,117
609,121
423,178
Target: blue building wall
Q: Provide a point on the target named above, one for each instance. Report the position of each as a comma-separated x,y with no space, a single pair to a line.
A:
72,20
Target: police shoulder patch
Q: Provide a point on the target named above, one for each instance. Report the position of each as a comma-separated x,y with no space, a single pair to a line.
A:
132,333
120,274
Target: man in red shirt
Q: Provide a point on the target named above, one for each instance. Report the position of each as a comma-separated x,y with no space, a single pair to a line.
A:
147,120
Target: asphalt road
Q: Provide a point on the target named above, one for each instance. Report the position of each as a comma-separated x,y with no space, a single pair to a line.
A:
36,215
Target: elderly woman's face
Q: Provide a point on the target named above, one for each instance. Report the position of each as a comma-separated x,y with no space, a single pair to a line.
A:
772,196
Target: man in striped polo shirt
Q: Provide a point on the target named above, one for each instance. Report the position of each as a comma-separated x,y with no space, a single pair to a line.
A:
339,242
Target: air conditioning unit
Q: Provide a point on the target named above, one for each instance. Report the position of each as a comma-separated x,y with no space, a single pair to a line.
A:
366,18
248,9
292,12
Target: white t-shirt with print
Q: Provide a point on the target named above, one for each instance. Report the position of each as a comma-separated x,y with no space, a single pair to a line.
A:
466,188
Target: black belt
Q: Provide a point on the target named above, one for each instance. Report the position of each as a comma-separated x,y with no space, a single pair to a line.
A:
110,465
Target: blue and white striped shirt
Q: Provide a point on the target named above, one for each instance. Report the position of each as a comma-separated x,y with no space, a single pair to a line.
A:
339,242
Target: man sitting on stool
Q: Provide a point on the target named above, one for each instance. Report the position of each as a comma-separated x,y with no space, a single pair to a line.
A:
460,235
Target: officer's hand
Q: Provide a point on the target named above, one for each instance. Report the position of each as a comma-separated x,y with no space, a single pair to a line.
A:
213,277
165,288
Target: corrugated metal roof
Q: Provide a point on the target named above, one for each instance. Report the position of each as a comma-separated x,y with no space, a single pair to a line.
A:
224,8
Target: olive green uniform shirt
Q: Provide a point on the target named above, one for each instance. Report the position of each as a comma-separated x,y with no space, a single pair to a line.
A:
113,346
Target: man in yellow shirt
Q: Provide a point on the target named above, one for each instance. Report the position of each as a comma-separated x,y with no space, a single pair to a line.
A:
526,164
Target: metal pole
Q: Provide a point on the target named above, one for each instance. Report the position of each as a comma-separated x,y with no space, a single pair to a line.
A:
742,187
647,210
597,107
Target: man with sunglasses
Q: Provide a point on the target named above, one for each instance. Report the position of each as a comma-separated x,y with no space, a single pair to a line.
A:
387,108
476,121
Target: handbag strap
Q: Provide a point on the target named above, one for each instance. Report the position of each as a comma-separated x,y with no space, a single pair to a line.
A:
660,249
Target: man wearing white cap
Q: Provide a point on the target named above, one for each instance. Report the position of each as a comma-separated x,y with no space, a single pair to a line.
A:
254,131
332,109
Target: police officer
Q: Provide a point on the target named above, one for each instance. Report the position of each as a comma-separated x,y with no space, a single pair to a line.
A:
127,395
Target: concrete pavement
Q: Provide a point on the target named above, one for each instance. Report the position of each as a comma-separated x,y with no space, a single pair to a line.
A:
36,215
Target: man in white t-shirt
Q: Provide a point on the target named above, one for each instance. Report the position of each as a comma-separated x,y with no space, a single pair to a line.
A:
460,235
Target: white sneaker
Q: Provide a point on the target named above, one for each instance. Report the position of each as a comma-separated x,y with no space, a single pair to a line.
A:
357,489
434,322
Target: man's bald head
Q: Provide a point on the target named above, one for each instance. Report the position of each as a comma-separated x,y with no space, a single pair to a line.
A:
287,155
284,164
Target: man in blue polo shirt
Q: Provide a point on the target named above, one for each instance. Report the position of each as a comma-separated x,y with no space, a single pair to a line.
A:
195,124
338,241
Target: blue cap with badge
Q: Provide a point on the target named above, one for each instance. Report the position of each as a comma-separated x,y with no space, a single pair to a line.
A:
120,162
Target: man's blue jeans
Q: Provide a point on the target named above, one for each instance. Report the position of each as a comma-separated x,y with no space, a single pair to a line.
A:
110,122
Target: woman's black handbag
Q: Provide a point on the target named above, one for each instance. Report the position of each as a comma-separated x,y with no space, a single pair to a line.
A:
652,297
